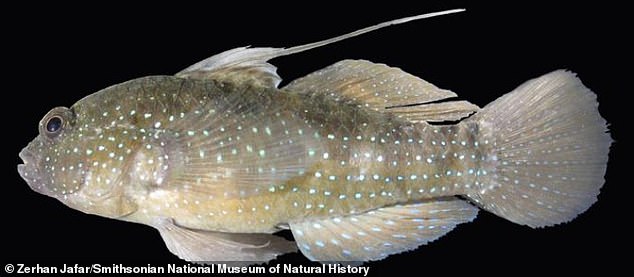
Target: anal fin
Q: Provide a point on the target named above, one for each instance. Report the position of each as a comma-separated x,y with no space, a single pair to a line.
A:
208,246
382,232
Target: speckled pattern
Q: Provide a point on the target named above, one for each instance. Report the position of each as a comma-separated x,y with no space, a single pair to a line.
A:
217,157
164,138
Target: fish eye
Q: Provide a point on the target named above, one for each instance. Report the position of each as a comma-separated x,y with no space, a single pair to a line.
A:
54,124
56,121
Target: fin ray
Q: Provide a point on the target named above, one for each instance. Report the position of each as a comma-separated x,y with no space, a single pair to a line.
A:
550,151
209,247
384,89
251,64
376,234
377,86
243,146
436,112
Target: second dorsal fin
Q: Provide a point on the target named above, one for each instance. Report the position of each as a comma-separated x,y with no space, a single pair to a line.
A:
436,112
384,89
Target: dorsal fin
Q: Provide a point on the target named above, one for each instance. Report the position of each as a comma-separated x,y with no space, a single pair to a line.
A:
436,112
251,64
384,89
376,86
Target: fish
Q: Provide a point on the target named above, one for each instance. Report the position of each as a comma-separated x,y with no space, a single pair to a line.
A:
358,160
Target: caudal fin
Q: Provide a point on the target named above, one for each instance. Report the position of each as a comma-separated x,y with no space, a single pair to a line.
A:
549,151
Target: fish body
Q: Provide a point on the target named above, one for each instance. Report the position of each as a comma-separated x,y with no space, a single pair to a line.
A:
218,157
379,158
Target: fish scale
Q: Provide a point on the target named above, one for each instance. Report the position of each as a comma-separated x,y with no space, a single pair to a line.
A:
367,180
384,168
217,157
386,174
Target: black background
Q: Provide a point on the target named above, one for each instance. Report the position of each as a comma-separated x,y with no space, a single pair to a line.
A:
57,55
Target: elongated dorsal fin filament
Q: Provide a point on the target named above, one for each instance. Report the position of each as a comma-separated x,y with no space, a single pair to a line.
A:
245,64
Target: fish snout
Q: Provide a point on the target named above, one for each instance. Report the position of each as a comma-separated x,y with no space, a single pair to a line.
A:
29,171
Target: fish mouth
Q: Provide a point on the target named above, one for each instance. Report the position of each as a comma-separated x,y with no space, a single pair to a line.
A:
29,172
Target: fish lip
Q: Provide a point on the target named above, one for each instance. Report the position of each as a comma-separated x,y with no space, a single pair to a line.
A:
28,161
25,155
22,170
29,172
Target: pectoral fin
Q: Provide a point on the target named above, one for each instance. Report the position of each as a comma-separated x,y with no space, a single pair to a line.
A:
382,232
209,247
240,148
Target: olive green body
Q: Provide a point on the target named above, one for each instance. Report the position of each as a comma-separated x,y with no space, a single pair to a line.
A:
365,159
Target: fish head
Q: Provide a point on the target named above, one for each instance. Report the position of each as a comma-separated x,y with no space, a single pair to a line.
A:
45,168
73,160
